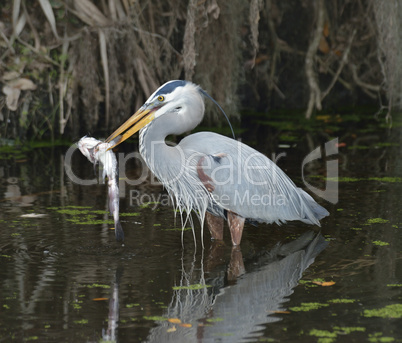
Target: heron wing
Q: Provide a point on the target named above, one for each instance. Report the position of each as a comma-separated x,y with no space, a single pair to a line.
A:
242,180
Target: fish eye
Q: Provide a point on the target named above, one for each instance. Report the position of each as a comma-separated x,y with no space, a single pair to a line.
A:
161,98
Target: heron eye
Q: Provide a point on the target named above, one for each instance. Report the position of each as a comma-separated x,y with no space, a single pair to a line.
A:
161,98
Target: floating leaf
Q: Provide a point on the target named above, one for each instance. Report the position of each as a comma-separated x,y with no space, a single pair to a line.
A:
172,329
324,283
174,320
185,325
340,145
99,299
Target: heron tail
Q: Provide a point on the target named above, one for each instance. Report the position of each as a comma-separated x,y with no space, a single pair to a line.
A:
313,211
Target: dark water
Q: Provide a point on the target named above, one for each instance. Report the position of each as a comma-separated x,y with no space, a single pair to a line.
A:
65,279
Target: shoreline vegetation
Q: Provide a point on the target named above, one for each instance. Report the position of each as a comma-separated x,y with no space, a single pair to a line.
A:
72,67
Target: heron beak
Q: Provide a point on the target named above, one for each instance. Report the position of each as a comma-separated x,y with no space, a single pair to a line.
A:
135,123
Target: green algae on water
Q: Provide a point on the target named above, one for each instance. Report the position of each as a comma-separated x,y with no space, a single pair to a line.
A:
343,179
378,337
348,330
191,287
341,301
377,221
148,204
32,338
322,333
129,214
214,320
386,144
390,311
325,336
83,215
132,305
91,221
96,285
358,147
72,212
385,179
82,321
380,243
178,229
77,306
77,207
305,307
155,318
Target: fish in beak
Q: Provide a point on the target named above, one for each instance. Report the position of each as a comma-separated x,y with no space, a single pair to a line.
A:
135,123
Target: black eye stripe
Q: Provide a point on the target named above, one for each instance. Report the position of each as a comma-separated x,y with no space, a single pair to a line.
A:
170,87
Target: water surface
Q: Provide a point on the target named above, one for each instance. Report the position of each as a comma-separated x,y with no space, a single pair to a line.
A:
65,279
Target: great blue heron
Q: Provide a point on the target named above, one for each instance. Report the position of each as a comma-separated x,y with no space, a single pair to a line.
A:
217,177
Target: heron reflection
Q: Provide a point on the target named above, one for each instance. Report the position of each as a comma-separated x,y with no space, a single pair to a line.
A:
238,312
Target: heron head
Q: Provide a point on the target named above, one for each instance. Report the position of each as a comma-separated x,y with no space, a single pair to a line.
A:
173,97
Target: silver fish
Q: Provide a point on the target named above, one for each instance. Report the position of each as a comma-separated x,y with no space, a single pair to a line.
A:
97,151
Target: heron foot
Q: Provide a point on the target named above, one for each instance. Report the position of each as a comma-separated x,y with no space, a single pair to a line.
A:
215,226
236,225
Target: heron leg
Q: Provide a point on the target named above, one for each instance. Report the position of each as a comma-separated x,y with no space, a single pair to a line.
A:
215,226
236,224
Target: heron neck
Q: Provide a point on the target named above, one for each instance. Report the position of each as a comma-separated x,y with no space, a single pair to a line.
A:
153,148
155,151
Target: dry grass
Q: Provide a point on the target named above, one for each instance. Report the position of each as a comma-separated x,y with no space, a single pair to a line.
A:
94,62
